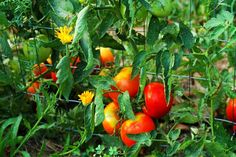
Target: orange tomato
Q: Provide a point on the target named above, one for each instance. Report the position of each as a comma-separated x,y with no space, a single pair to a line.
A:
125,83
40,69
111,122
106,56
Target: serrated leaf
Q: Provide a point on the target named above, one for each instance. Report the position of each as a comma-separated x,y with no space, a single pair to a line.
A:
186,36
154,29
86,45
64,77
99,109
125,105
102,82
89,122
167,61
139,61
81,24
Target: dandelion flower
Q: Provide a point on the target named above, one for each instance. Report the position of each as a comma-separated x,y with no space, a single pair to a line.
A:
63,33
86,97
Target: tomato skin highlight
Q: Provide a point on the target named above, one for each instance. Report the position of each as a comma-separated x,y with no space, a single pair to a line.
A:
106,56
231,110
125,83
141,124
155,101
111,121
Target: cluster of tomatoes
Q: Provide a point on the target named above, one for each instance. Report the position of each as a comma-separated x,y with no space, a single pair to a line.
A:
155,106
42,70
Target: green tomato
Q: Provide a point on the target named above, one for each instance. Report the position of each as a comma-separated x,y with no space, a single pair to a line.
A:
161,8
34,51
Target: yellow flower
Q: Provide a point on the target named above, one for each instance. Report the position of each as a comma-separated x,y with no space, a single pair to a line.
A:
63,33
86,97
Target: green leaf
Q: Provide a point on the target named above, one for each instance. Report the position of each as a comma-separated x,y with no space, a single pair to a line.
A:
4,79
131,15
125,105
25,154
167,62
139,61
89,122
142,81
3,19
81,25
111,141
64,77
105,25
186,36
4,45
215,149
154,29
99,110
134,150
102,82
214,34
39,106
174,134
62,8
86,45
140,138
146,4
171,150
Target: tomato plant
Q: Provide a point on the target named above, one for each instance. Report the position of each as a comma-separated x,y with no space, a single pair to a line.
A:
155,100
141,124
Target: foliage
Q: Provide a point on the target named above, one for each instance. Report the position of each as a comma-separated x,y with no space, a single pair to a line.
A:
191,51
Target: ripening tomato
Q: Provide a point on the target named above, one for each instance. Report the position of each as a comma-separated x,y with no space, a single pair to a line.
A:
161,8
40,69
141,124
125,83
231,110
33,88
54,76
111,121
155,101
234,128
106,56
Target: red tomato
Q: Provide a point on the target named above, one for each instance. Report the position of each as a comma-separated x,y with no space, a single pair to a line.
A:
141,124
124,82
33,88
231,110
40,69
234,128
111,122
156,105
54,76
106,56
